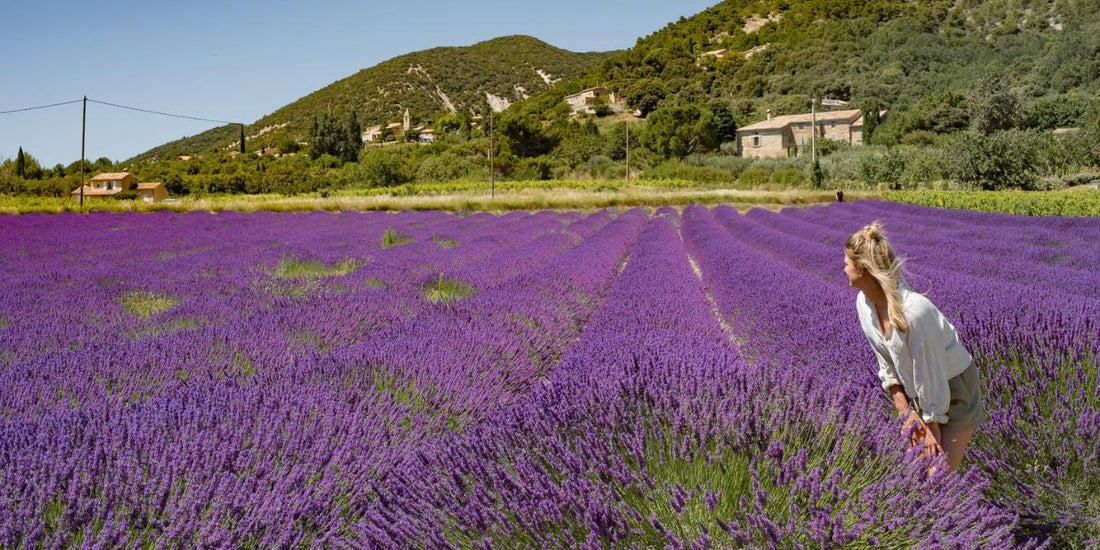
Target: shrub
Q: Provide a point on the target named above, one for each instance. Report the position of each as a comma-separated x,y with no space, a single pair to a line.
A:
1001,160
788,177
287,146
919,137
600,166
578,147
446,290
379,168
146,304
392,238
885,167
732,165
923,167
1053,112
533,169
445,167
675,169
295,268
846,165
753,177
829,146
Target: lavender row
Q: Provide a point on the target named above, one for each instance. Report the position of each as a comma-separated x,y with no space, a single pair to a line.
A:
1027,251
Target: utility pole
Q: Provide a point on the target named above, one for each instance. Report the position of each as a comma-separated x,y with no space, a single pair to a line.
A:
492,172
83,132
628,151
813,127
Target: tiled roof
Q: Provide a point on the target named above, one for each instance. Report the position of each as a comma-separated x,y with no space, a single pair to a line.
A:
93,192
149,185
602,89
780,122
109,176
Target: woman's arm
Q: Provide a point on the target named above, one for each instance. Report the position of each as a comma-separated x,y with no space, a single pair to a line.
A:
901,401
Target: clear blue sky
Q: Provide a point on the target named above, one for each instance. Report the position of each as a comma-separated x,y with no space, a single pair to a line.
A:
241,60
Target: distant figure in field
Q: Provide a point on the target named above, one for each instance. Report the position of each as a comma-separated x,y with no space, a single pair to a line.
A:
928,373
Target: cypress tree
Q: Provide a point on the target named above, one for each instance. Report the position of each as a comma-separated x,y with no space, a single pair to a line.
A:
817,177
242,139
353,140
870,121
21,164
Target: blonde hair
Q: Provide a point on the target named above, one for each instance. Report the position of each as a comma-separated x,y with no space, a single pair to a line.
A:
870,249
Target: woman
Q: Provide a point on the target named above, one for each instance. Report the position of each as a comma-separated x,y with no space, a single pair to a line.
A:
920,358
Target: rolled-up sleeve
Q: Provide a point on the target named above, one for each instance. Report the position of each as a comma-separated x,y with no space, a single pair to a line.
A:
933,392
886,371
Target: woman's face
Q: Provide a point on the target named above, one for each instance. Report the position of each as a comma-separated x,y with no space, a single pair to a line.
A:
854,272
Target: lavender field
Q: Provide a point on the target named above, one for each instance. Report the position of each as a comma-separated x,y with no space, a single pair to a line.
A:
680,379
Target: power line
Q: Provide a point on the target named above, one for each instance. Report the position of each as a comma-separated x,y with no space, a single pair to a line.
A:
41,107
161,112
109,104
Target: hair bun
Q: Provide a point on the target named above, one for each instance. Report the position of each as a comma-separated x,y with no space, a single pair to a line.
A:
874,231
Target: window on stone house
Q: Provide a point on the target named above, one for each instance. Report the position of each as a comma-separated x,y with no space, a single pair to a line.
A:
801,125
756,140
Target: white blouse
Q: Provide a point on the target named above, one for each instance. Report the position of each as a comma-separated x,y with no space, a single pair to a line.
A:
921,360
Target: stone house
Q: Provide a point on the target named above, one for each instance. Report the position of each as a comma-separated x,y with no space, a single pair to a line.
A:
776,135
585,101
153,191
110,184
107,184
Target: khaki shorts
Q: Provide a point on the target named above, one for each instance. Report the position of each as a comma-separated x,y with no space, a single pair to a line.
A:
966,409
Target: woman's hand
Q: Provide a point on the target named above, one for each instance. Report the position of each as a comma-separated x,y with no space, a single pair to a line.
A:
901,402
914,427
924,434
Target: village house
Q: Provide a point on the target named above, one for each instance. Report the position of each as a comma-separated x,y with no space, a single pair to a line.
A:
107,184
585,101
152,191
427,135
776,136
373,134
110,184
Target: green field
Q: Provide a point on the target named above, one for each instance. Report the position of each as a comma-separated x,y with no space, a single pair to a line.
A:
571,194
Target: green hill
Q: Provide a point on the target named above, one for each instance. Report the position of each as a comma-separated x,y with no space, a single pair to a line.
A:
427,83
760,54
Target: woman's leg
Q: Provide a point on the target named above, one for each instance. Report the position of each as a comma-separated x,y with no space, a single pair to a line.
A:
954,443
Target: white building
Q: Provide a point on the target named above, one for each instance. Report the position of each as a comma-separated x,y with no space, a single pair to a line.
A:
585,101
